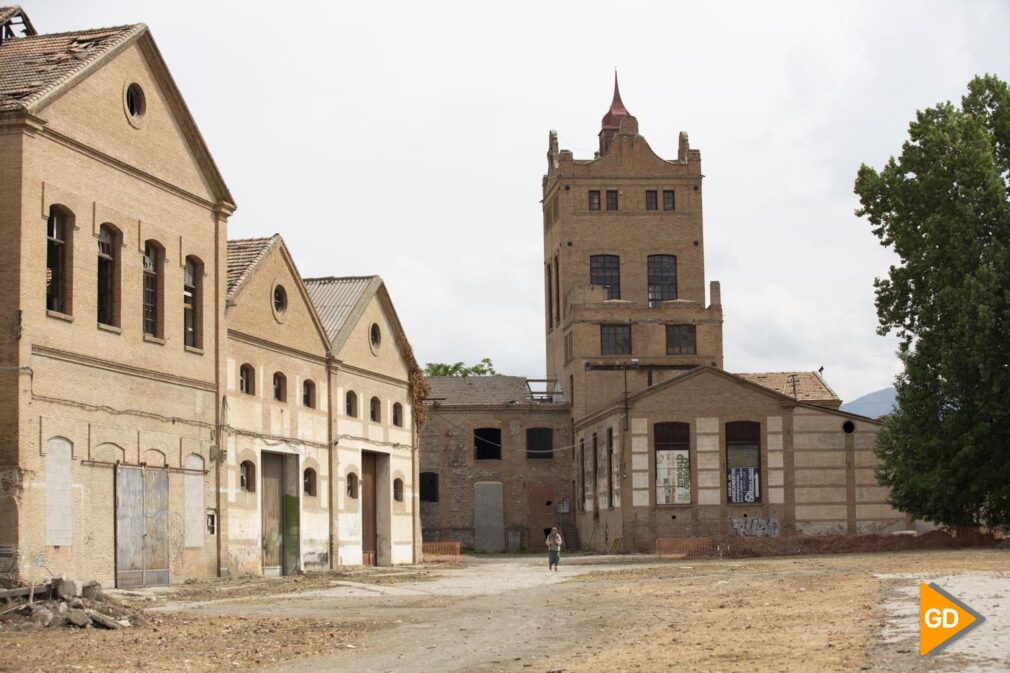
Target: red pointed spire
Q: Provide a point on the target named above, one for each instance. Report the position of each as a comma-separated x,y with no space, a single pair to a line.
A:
611,123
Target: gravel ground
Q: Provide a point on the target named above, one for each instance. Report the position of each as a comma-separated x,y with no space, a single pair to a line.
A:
825,613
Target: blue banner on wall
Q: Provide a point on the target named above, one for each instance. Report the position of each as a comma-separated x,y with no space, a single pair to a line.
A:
743,484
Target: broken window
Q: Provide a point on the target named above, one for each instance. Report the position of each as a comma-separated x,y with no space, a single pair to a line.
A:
108,276
610,468
191,302
280,299
247,476
615,339
743,462
247,379
595,475
582,475
651,203
605,270
594,199
611,199
539,443
487,444
668,202
153,270
352,485
398,490
59,229
672,442
309,394
680,340
398,415
280,387
662,279
351,404
375,410
429,487
309,481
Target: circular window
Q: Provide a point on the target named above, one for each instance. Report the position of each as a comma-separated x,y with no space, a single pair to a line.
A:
136,104
280,299
375,335
848,427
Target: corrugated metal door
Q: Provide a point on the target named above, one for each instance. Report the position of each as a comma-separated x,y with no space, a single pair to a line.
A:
368,524
273,510
141,527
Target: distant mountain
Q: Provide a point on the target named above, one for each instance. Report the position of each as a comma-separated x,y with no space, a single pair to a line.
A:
873,405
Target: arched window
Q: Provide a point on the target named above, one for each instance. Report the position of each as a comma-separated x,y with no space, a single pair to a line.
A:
280,387
672,442
662,279
309,481
398,415
247,476
351,404
109,243
375,335
605,270
352,485
743,462
376,410
247,379
309,394
154,270
429,487
191,303
398,490
59,238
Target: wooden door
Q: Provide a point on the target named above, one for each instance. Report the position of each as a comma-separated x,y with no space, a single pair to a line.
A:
368,523
273,513
141,527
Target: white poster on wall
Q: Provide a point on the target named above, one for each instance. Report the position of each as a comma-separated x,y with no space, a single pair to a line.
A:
673,477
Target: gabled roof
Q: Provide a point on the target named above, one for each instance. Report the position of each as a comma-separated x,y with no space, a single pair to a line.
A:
336,299
479,390
244,255
36,69
809,386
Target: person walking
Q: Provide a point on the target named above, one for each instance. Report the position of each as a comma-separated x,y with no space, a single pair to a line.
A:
554,543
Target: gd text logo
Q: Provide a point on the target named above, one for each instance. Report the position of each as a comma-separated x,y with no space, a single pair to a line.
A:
942,618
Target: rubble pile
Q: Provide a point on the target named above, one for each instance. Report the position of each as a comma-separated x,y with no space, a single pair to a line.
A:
63,602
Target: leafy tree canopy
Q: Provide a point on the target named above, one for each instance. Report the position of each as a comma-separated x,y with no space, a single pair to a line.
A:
483,368
943,206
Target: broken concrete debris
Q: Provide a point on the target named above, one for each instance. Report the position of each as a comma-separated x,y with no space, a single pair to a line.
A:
61,602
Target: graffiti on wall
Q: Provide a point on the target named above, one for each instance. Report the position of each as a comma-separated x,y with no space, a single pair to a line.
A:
755,526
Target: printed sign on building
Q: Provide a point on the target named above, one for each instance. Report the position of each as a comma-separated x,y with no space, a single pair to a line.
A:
673,478
743,484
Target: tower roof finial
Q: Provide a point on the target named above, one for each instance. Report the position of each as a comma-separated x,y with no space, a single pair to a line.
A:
617,111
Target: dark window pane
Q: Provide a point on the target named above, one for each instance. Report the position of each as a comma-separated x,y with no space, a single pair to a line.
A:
487,444
662,279
539,443
668,202
680,340
650,199
606,270
429,487
594,199
615,339
611,199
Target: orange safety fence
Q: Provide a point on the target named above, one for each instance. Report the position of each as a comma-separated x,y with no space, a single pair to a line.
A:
685,547
440,551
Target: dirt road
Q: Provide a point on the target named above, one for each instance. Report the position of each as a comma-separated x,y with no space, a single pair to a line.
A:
828,613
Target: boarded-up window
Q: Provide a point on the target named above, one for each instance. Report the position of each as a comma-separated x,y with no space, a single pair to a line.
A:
539,443
487,444
743,462
429,487
59,509
673,463
194,506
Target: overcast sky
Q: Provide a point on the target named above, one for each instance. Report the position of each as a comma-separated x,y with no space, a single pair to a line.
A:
408,139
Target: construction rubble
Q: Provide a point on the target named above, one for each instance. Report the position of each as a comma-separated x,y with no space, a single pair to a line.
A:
63,602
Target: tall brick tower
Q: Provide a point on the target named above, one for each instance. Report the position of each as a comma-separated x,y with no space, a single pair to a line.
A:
624,266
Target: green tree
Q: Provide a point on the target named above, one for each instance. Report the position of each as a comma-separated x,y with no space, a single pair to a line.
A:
943,206
483,368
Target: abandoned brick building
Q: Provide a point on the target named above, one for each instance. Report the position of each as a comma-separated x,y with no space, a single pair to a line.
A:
640,433
175,404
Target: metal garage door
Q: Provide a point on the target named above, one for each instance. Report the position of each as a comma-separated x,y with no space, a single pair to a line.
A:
141,526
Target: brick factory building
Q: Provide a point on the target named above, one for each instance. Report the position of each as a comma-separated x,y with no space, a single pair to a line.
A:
638,432
175,404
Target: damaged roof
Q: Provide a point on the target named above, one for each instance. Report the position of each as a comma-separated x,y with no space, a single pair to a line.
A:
335,299
810,387
34,65
479,390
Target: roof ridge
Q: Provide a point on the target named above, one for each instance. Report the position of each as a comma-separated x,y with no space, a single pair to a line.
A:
322,279
66,33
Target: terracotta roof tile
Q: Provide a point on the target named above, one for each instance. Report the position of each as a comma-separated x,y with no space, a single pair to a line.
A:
810,387
32,66
479,390
243,255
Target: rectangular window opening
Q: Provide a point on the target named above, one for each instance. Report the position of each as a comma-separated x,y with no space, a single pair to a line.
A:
668,201
650,200
487,444
615,339
611,199
605,270
539,444
743,462
673,463
681,340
